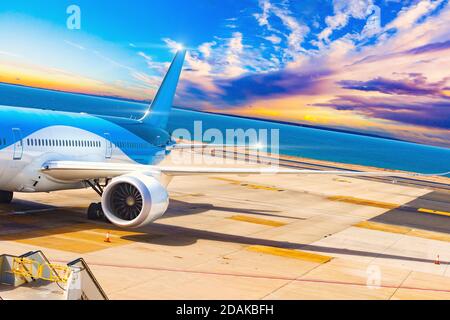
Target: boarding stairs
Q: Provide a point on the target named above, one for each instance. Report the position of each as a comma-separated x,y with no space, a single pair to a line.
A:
32,277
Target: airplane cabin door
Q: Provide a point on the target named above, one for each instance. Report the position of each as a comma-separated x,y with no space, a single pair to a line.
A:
18,144
108,152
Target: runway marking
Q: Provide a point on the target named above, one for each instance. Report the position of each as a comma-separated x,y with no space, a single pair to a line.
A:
290,253
364,202
382,227
249,185
441,213
265,222
404,230
78,238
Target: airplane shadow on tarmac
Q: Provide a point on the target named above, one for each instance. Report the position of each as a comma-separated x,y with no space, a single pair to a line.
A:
45,217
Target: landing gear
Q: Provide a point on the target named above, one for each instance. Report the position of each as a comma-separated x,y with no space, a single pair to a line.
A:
95,211
6,196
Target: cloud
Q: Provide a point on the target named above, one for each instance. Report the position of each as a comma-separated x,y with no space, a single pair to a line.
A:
343,11
205,48
430,112
408,16
245,89
415,84
273,38
431,47
296,31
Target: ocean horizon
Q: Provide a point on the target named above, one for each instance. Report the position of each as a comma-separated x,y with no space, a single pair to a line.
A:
295,140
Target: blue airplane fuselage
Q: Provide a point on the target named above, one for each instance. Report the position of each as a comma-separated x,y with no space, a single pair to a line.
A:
30,137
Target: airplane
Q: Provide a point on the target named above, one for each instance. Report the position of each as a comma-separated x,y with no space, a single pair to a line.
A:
119,158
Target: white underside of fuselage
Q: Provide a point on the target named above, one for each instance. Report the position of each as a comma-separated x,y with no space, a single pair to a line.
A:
20,166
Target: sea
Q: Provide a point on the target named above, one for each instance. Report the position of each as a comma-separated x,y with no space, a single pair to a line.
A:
294,140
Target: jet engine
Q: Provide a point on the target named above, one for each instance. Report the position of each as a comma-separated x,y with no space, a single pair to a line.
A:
134,200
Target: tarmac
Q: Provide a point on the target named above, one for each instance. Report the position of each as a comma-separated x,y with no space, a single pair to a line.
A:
254,237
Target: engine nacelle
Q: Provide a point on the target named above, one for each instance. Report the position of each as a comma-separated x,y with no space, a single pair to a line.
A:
134,200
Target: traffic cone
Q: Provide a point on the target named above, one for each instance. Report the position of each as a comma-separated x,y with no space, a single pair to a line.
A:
107,239
437,260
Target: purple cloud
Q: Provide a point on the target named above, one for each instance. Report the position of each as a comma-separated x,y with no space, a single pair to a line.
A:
430,113
431,47
416,84
428,48
255,86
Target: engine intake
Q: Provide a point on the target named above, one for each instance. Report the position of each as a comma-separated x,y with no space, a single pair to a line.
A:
134,200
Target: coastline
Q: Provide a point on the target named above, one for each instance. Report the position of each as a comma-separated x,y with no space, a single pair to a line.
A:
342,166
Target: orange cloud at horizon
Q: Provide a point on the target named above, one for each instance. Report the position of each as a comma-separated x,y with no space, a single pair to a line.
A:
55,79
295,109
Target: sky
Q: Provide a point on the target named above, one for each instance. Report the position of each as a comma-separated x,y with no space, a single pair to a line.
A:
379,67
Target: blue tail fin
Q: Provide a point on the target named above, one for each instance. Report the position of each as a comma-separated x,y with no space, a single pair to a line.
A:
158,113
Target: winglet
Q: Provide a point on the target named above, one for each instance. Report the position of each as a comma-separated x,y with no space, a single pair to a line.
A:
158,112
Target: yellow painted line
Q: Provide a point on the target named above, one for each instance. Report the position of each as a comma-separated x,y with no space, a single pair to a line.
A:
442,213
249,185
266,222
430,235
78,238
404,230
382,227
364,202
290,253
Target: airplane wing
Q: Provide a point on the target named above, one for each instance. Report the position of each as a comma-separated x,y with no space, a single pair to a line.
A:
79,170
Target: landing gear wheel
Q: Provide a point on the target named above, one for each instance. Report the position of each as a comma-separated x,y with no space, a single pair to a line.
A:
6,196
95,212
102,215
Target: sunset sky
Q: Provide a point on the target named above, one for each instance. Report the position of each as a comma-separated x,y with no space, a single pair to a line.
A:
380,67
